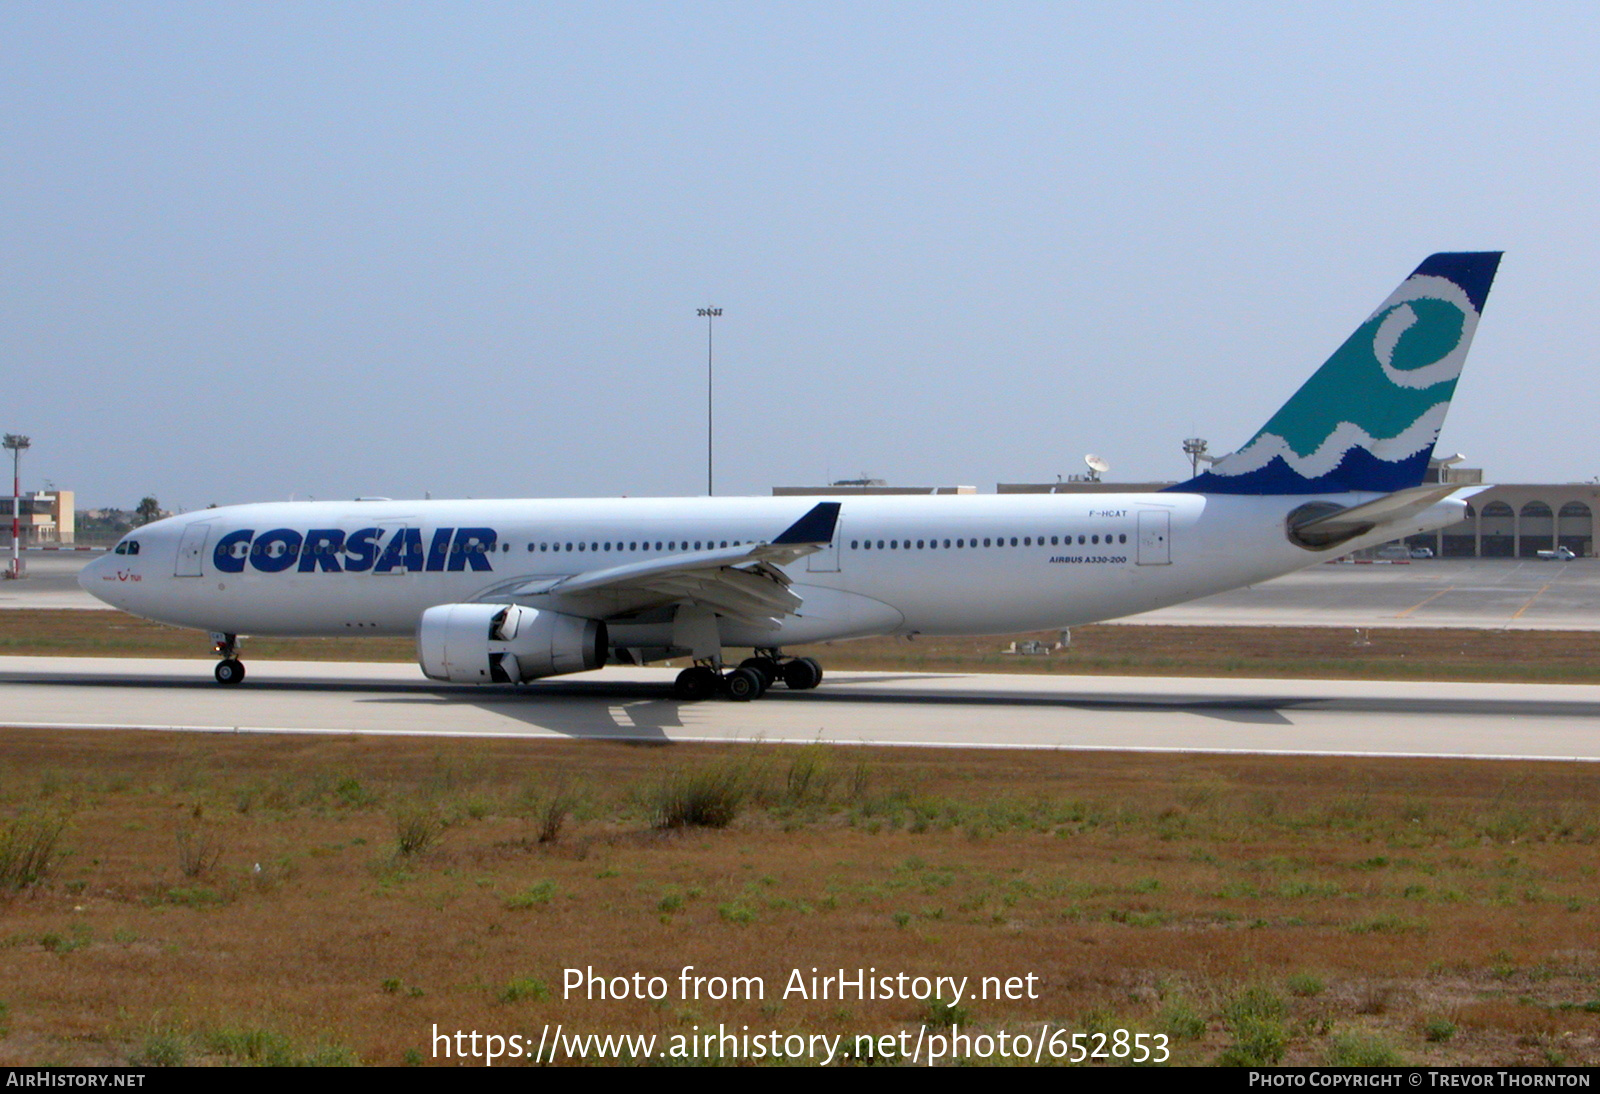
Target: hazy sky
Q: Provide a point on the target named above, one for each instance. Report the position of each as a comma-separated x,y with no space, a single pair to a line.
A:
249,251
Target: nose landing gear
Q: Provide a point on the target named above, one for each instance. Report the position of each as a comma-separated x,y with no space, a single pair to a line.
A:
230,670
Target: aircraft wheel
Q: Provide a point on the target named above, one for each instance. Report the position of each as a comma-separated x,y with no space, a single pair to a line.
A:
743,685
695,683
229,671
765,667
802,674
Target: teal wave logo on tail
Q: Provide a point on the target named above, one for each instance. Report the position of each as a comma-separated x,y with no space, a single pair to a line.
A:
1369,417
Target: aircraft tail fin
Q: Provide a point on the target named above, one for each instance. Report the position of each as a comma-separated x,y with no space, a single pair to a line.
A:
1369,417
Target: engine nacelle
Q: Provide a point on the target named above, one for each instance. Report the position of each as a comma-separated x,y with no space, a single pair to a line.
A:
506,643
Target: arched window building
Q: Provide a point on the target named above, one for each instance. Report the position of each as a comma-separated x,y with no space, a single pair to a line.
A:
1519,521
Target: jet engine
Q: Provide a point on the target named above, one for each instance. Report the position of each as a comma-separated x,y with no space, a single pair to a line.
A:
506,643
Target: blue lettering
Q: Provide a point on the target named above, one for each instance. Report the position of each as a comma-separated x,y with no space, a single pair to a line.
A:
438,549
403,552
472,548
322,550
361,550
263,558
224,558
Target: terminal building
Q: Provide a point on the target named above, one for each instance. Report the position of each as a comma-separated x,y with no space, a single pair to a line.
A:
47,519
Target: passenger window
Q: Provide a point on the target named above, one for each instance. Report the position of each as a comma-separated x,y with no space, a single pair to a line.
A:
1013,541
1094,539
1026,541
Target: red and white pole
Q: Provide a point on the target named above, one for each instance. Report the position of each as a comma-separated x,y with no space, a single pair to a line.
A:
16,443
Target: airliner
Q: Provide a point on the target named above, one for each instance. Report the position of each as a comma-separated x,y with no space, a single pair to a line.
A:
510,591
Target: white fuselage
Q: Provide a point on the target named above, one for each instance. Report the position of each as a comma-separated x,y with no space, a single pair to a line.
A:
986,564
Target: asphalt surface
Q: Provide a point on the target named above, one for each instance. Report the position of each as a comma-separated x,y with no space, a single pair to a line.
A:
1558,722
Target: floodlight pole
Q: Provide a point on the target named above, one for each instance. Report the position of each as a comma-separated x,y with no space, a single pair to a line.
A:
709,314
16,443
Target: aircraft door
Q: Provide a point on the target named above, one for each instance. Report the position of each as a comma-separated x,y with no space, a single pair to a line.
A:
191,550
399,550
826,561
1155,538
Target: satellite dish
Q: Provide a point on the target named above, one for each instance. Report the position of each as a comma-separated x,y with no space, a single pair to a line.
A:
1097,466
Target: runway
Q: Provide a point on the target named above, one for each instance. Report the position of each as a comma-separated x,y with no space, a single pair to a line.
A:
1500,721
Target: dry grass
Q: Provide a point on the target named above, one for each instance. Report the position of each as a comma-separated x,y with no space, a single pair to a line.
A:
1316,910
1304,652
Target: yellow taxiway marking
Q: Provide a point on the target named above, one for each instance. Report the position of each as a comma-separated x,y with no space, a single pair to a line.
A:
1516,614
1414,607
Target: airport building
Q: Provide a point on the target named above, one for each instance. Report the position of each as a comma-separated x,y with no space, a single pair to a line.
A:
47,519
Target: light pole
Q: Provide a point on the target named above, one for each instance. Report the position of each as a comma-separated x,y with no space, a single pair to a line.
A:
16,443
709,315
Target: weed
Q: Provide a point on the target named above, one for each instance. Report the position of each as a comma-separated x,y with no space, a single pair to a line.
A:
417,827
269,1048
350,792
194,896
736,912
27,846
1256,1018
1305,984
703,797
524,988
80,937
1388,924
1438,1030
941,1015
810,775
536,895
198,852
553,812
1362,1050
166,1049
1181,1021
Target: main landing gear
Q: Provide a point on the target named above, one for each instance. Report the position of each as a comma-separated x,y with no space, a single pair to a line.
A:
230,670
750,680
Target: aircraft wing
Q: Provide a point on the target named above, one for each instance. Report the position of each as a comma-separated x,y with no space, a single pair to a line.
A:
742,582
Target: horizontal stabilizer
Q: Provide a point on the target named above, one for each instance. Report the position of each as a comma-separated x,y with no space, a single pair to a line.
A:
1329,529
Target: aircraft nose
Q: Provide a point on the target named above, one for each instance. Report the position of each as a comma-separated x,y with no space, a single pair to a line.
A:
90,578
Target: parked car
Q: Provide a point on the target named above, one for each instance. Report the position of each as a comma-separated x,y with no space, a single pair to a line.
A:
1560,554
1422,552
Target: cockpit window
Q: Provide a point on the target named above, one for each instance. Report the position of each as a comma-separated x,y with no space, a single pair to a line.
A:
127,547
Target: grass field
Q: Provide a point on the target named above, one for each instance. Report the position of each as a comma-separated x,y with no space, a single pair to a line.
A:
225,899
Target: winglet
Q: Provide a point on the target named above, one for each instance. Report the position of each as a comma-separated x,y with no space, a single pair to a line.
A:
815,527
